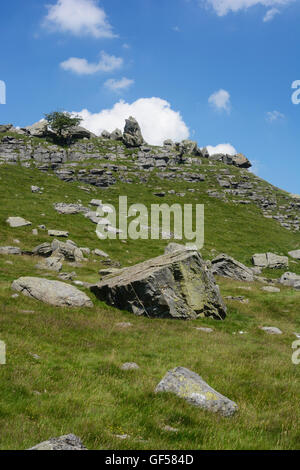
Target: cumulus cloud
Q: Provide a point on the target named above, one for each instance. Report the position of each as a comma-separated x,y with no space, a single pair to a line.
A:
118,85
222,7
78,17
270,14
221,148
220,100
272,116
157,119
107,63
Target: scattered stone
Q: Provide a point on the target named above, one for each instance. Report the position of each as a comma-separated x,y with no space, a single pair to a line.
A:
176,285
270,260
69,209
44,249
52,292
206,330
290,280
67,442
35,231
52,263
225,266
129,366
270,289
14,296
100,253
239,298
15,222
67,276
170,429
124,324
190,386
10,250
294,254
271,330
36,189
58,233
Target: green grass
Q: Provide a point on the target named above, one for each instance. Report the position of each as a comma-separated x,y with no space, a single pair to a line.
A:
77,385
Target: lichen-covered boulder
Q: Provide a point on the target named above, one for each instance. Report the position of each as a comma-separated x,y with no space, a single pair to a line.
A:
190,386
175,285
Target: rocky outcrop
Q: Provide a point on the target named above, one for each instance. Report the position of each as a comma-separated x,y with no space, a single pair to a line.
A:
176,285
51,292
5,128
225,266
192,388
238,160
68,442
132,136
39,129
270,260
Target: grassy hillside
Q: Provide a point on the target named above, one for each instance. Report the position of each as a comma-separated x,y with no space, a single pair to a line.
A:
76,385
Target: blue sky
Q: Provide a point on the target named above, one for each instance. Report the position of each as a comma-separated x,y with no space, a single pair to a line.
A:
227,66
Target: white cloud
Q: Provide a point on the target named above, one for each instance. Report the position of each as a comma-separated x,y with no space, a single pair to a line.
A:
220,100
222,7
118,85
221,148
270,14
272,116
157,119
79,17
107,63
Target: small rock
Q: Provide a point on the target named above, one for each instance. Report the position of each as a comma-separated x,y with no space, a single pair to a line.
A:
271,330
124,324
170,429
129,366
58,233
206,330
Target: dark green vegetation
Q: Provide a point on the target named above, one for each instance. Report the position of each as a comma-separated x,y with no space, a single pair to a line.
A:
77,386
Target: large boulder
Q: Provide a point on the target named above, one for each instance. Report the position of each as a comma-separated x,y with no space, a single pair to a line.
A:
68,251
176,285
52,292
270,260
132,136
290,280
190,386
226,266
68,442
